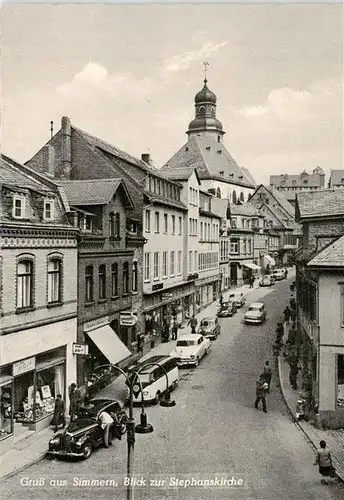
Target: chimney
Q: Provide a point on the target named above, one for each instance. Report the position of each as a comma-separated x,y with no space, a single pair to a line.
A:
51,129
66,147
146,158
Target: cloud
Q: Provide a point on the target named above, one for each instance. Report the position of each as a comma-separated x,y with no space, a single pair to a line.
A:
254,111
183,61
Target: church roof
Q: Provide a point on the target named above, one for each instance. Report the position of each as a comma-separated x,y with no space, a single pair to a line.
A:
211,159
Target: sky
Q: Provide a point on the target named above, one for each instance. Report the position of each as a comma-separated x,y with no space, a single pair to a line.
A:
129,73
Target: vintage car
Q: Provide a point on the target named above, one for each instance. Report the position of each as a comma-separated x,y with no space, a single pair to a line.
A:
190,349
256,313
267,280
278,274
209,327
237,297
227,309
85,434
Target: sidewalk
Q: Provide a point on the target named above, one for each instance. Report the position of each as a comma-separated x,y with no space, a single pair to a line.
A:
333,438
34,448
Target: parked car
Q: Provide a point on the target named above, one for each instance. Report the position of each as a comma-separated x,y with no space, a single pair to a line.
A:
85,434
267,280
227,309
256,313
238,298
278,274
209,327
190,349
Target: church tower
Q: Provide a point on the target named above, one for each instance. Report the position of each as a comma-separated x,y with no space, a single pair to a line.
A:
205,122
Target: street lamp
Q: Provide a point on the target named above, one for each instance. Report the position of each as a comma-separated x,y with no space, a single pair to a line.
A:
135,387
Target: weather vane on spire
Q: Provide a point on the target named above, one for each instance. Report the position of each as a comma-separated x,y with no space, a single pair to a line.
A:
206,68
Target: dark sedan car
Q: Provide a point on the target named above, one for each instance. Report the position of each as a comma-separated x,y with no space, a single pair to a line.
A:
209,328
85,434
227,309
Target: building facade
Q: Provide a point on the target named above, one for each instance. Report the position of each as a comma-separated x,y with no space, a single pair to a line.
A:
320,306
291,184
38,300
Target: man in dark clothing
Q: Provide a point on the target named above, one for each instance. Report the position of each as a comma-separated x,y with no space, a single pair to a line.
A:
293,316
293,376
193,324
279,332
174,331
261,388
59,412
267,375
251,281
74,401
286,313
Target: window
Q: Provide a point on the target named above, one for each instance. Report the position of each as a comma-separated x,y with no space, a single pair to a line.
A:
165,223
180,225
147,221
114,225
173,224
340,379
85,222
48,210
114,279
201,231
164,264
156,266
157,222
244,247
234,197
89,284
172,263
234,223
134,277
125,277
342,306
196,261
54,280
218,193
18,210
24,284
147,266
249,243
234,246
102,281
179,262
190,261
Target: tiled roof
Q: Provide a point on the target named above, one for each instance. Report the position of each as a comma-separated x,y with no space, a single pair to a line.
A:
331,256
296,180
211,159
156,198
105,146
91,191
247,210
11,174
329,202
337,177
282,200
177,174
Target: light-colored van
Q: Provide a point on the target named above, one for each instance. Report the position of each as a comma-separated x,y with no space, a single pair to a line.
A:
153,378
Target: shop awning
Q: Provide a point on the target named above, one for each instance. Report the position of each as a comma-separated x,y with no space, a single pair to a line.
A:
251,265
108,342
270,260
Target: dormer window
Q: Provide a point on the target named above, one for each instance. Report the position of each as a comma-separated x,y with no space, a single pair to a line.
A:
18,209
85,222
115,225
48,210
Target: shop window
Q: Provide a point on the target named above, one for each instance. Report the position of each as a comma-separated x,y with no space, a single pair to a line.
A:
89,284
24,284
134,277
114,279
54,281
340,380
102,281
25,399
6,420
125,277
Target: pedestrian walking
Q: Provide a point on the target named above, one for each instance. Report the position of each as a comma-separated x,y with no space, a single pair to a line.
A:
174,331
324,460
251,281
59,413
74,401
286,273
267,375
293,316
292,303
193,324
286,313
293,371
106,421
261,389
279,332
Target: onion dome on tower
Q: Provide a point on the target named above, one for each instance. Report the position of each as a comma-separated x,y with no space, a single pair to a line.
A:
205,114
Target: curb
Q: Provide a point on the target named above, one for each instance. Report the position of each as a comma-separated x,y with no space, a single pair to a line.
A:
309,440
23,467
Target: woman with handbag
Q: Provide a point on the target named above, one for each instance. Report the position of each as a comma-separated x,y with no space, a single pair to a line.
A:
324,461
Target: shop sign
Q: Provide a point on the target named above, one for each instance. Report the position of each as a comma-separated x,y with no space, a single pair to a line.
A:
23,366
96,323
80,349
166,296
127,319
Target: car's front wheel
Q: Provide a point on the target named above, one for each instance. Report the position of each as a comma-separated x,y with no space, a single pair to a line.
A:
87,451
123,424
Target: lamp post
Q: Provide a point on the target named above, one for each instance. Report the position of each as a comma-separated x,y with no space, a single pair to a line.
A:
135,387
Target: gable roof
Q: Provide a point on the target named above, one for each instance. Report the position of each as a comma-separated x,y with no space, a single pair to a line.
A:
14,174
279,197
179,174
211,159
92,191
337,177
329,202
330,256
